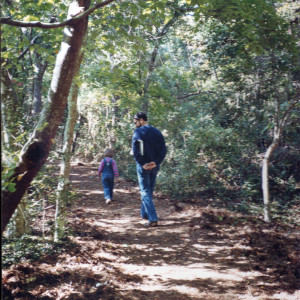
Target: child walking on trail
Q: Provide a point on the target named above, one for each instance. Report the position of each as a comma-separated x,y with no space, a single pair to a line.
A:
108,169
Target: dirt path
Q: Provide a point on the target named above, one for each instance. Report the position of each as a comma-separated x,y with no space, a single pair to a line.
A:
195,253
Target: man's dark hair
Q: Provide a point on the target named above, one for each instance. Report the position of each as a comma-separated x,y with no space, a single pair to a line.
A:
140,115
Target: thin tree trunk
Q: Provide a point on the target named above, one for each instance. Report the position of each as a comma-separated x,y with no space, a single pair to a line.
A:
280,124
151,65
5,134
80,122
64,178
36,151
9,103
265,176
21,218
38,83
114,111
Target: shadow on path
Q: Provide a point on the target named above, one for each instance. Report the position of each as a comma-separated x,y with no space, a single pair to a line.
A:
197,253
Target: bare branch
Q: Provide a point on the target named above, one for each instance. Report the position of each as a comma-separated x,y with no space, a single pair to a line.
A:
188,95
193,94
70,22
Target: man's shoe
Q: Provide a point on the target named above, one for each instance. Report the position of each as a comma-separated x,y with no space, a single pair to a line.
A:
108,201
152,224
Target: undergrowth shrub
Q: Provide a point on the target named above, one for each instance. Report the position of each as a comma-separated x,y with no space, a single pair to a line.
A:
29,248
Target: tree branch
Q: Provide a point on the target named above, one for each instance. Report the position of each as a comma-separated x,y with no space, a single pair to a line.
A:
31,44
169,24
70,22
192,94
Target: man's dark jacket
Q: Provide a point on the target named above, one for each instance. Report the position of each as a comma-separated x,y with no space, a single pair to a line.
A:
153,145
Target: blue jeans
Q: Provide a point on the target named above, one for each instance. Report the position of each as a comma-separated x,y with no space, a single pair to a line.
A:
147,180
108,186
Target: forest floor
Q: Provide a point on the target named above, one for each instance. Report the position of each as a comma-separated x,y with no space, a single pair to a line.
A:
196,252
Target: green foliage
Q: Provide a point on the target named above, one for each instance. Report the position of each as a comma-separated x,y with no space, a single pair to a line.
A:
6,182
9,162
41,10
44,185
16,41
255,23
28,248
41,195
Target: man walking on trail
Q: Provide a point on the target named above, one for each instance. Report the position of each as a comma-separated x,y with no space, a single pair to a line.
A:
149,150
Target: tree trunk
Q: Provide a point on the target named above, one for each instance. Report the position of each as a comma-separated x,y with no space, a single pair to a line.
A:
265,175
21,218
151,66
80,122
64,178
38,83
9,103
280,124
113,138
36,151
5,134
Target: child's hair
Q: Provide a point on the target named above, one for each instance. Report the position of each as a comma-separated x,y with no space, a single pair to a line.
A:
109,153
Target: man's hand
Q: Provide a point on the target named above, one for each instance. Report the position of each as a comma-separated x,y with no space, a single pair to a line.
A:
149,166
